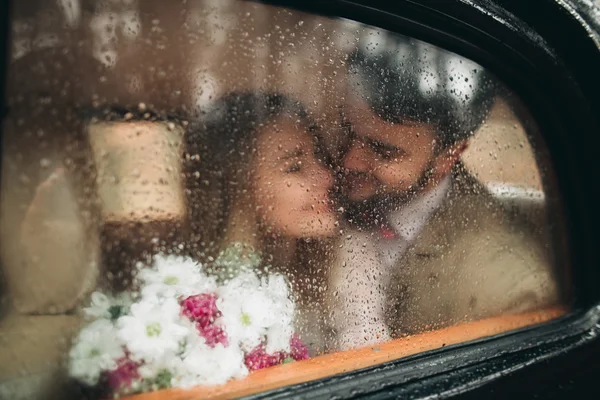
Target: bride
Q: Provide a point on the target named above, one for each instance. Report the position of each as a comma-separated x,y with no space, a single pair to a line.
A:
259,196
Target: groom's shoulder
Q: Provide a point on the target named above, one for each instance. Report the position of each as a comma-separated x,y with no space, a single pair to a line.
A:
473,219
478,256
471,206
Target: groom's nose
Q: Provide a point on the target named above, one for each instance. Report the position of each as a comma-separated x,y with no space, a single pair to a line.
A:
357,157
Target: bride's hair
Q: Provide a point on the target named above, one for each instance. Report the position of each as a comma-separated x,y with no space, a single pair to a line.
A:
218,151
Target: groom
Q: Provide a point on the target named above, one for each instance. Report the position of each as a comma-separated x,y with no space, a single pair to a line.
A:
425,245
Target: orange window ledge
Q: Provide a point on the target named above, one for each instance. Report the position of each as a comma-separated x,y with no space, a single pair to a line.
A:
338,363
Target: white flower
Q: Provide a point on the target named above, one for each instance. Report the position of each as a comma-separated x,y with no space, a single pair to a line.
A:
103,306
277,287
280,332
172,276
153,330
249,311
97,349
245,280
279,337
211,366
170,362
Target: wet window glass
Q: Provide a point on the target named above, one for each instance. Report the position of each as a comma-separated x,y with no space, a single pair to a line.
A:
227,196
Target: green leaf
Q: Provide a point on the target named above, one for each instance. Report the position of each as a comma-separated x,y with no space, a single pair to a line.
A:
163,379
234,260
116,311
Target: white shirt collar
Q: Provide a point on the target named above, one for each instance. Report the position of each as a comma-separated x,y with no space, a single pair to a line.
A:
410,219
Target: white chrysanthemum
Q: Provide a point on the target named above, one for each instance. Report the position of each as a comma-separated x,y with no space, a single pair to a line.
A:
104,306
211,366
173,276
249,310
97,349
278,338
153,330
280,332
170,362
277,287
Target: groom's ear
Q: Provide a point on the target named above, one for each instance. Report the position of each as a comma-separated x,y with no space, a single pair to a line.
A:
448,157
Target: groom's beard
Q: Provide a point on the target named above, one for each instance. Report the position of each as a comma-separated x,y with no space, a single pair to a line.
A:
372,212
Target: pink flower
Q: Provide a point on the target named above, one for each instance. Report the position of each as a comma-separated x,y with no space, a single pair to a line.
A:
213,334
202,309
123,376
259,359
299,350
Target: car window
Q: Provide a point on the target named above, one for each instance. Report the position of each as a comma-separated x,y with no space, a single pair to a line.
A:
213,192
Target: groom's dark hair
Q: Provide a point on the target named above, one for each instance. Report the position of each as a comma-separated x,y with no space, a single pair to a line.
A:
402,78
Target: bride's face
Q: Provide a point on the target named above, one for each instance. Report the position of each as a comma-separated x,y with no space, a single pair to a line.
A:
291,186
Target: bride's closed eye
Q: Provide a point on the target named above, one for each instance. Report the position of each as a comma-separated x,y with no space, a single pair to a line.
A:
293,162
295,167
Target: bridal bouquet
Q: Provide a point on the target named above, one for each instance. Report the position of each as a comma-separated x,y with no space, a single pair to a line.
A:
185,327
